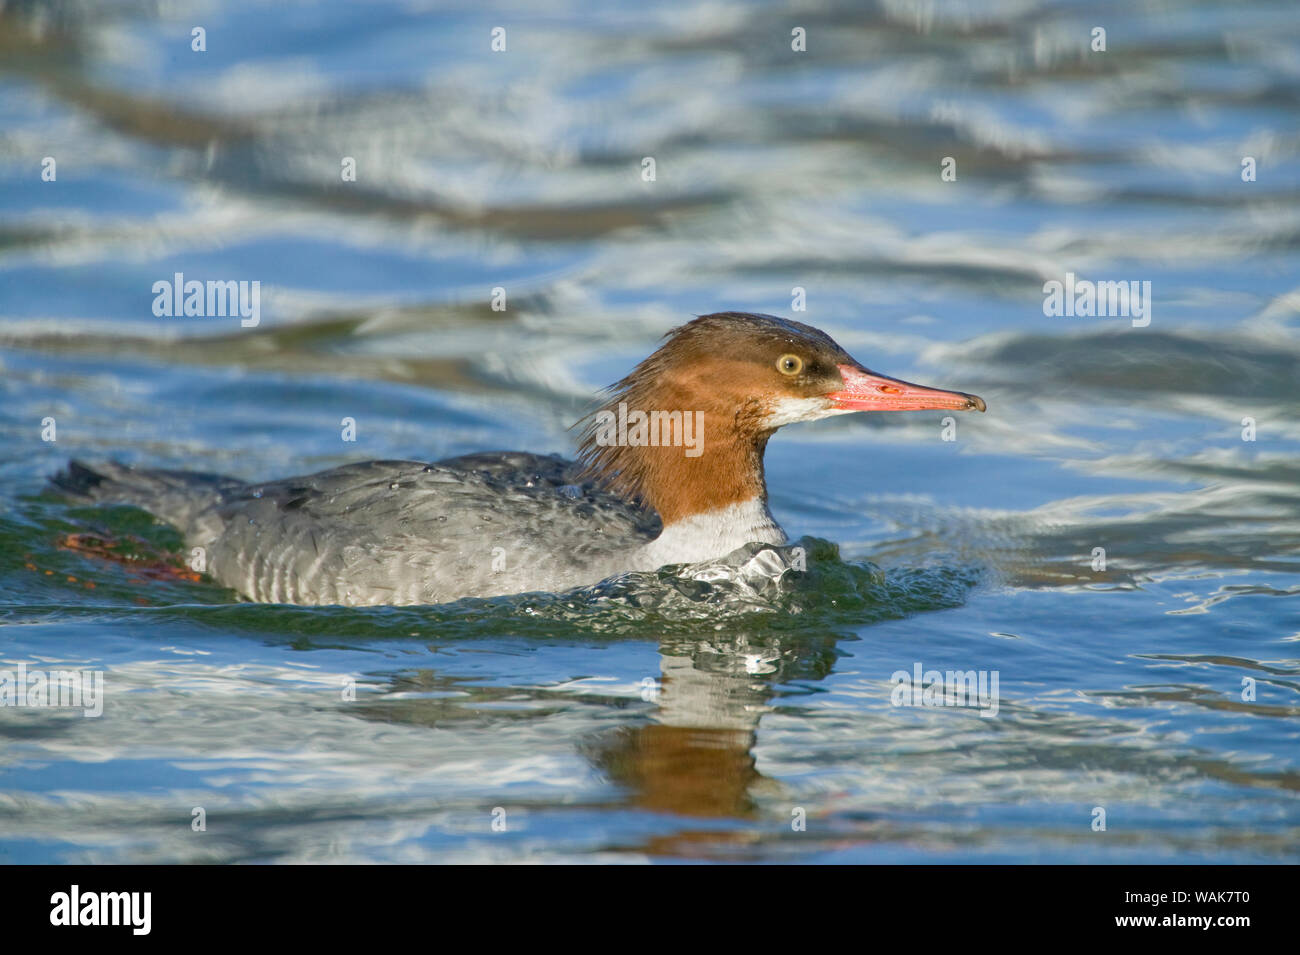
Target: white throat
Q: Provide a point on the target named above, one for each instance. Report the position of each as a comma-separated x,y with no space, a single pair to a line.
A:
710,535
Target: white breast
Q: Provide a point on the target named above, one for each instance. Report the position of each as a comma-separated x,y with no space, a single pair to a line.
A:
711,535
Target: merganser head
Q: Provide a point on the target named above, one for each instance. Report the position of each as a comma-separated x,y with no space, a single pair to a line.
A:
726,382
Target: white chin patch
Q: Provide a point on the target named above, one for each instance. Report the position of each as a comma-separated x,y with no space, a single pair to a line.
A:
789,410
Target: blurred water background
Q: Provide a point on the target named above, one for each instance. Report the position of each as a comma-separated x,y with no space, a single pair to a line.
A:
606,731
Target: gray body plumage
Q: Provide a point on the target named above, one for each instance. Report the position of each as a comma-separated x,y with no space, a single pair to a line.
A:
402,532
390,532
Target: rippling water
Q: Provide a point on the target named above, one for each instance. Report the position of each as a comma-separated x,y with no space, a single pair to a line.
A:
609,725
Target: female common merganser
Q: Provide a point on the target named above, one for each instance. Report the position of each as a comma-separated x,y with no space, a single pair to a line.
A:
682,437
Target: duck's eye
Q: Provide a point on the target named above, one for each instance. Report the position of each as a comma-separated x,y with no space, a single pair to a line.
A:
789,364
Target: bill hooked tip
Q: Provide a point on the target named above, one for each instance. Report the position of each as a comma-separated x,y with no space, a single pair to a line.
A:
865,390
